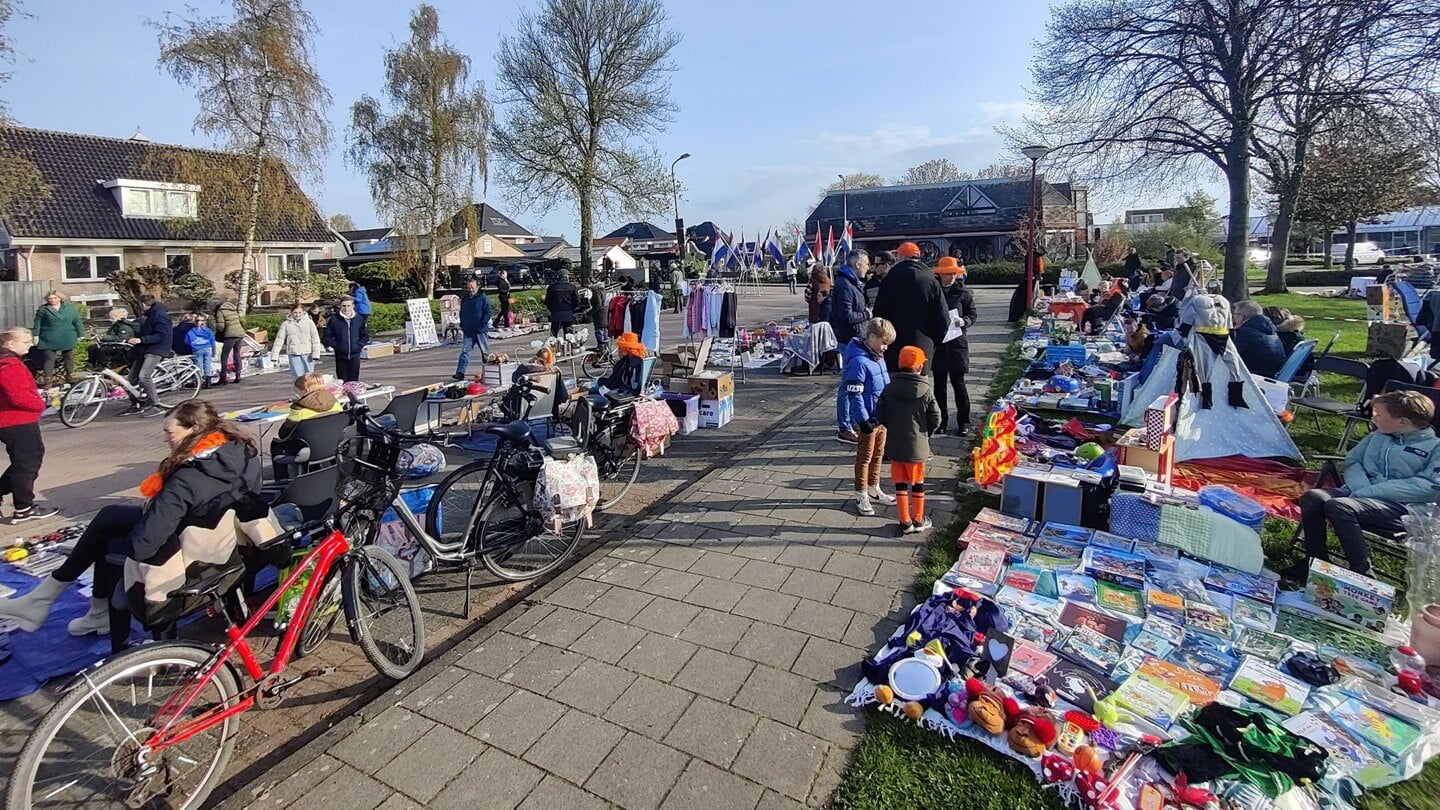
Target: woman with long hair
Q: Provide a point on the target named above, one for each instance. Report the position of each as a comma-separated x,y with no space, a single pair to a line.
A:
209,470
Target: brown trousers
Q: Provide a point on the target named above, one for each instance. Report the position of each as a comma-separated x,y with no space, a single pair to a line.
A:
869,451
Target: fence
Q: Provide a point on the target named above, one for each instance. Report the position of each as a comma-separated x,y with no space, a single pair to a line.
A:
19,300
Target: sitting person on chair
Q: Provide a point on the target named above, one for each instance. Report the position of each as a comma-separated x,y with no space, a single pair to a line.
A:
540,367
627,376
312,399
1393,467
1256,340
211,468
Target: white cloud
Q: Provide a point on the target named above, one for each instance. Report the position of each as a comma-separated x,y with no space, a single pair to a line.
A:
996,112
892,140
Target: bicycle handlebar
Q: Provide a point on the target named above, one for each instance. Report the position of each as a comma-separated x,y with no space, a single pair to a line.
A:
360,414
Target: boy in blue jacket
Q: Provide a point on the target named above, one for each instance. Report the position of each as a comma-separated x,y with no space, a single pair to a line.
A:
863,379
201,340
1398,464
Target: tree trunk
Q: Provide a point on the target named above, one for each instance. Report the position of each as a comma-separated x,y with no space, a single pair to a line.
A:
1350,248
252,224
1237,239
587,233
1326,260
1280,238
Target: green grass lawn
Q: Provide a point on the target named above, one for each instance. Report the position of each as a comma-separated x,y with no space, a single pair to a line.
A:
898,764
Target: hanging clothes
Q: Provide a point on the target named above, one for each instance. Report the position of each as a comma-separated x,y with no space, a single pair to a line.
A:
638,305
650,322
729,307
617,305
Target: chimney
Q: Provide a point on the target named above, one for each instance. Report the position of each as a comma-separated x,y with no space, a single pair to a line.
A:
139,136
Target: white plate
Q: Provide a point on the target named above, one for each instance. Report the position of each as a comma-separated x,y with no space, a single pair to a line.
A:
914,679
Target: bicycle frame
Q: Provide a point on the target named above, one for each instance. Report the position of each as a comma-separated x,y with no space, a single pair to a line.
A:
170,730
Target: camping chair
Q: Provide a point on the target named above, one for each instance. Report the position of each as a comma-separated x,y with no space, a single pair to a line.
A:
702,356
1297,358
405,408
312,445
1410,303
1387,544
1318,404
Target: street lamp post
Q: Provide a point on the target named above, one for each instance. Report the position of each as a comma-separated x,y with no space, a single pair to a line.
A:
679,223
1035,153
844,206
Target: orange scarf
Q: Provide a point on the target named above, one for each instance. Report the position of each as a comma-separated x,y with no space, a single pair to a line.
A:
150,487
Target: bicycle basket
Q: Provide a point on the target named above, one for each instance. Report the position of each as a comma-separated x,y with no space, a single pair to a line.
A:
370,471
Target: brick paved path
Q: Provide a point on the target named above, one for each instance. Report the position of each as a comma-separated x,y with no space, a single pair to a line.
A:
700,663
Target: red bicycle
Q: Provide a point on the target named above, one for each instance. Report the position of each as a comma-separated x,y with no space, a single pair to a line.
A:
155,726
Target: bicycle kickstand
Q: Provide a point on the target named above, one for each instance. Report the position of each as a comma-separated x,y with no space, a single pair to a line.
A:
469,569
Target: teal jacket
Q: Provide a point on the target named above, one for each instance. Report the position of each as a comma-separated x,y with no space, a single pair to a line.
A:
57,330
1403,468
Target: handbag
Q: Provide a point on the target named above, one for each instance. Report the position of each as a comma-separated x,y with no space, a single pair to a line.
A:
651,423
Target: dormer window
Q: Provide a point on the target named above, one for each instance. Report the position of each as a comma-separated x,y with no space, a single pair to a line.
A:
146,199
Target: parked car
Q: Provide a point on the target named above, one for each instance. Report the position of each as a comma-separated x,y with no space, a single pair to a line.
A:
1258,255
520,276
1365,252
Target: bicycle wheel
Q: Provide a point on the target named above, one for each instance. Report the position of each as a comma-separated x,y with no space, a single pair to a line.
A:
595,364
450,517
84,751
516,546
82,402
176,384
384,612
321,620
619,464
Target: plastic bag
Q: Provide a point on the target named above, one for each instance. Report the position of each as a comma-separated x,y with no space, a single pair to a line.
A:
1422,570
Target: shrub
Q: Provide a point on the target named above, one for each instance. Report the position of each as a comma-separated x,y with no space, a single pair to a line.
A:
137,281
1318,278
193,288
257,284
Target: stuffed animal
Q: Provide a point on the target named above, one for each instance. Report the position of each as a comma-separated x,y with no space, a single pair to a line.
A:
1056,768
1032,734
986,707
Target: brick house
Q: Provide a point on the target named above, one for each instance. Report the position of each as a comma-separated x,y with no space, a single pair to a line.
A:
110,206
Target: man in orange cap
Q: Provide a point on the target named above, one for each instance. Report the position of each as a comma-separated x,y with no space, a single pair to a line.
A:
952,358
910,298
907,411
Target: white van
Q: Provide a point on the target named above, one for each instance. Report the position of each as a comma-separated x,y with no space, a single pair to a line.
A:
1365,252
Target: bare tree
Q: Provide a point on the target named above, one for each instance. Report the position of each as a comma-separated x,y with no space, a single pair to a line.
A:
342,222
424,155
938,170
7,50
1346,59
259,94
996,171
585,83
852,181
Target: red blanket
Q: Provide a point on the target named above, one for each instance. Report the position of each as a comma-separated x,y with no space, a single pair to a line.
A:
1275,485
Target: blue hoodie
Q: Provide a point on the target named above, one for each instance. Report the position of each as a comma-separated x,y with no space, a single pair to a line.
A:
362,300
864,378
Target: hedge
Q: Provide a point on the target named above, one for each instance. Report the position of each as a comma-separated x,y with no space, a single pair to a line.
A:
1319,278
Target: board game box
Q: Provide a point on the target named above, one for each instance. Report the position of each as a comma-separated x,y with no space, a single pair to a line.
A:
1066,533
1347,755
1352,596
1076,683
1075,587
1269,646
1207,619
1016,543
1200,689
982,560
1253,614
1155,701
1123,600
1164,605
1091,648
1000,520
1264,683
1112,541
1030,660
1118,567
1389,737
1204,660
1261,586
1073,615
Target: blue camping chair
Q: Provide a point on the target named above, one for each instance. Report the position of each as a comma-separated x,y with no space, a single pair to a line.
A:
1297,358
1410,301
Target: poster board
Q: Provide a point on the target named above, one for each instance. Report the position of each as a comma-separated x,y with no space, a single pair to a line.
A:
422,322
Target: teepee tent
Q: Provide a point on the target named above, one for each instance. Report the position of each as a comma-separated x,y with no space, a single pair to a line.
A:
1091,273
1226,427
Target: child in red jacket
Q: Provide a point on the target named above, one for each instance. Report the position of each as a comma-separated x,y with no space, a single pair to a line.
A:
20,409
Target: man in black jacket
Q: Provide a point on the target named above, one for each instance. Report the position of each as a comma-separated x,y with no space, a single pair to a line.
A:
152,344
346,335
911,300
502,293
884,260
562,299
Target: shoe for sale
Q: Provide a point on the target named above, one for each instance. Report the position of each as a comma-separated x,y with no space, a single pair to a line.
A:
922,525
880,496
862,504
848,437
33,513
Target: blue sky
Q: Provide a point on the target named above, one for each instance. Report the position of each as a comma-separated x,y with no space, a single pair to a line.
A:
776,97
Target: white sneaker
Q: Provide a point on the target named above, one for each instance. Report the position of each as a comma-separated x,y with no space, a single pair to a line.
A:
881,496
862,503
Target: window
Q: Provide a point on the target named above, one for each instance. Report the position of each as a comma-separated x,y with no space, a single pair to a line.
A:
178,261
88,266
147,199
486,246
277,263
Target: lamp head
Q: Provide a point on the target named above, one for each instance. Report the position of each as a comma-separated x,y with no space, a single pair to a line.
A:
1035,152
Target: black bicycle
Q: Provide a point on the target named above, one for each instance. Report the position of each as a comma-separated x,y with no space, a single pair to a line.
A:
602,423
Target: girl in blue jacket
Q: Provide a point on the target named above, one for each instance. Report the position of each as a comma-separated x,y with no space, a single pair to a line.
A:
863,379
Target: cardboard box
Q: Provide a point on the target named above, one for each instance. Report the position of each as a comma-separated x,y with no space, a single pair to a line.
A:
716,413
1159,463
1351,596
686,408
1160,420
713,385
258,335
374,350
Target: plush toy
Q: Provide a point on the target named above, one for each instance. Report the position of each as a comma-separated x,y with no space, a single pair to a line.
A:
1095,792
1056,768
1031,734
956,705
986,707
1087,759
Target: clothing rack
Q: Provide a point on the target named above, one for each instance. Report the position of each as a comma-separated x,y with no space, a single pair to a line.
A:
724,285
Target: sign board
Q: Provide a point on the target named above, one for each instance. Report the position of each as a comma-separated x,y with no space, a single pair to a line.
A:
422,322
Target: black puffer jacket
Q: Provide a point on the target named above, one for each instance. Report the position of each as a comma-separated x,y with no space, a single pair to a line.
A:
911,300
908,410
197,494
955,355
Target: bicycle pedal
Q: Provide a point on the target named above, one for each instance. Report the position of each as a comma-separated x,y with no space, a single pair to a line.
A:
317,673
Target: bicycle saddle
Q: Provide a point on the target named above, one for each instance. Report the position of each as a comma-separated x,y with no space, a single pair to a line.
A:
516,431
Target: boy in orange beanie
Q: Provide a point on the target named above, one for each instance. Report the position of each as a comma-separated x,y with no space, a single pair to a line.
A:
909,413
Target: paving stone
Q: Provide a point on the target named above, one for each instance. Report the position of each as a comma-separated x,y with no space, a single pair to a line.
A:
761,574
704,787
543,669
867,632
714,674
496,779
649,707
658,656
774,801
527,618
416,696
425,767
778,695
628,574
901,552
496,654
517,723
827,781
714,564
562,627
671,584
464,704
555,793
771,644
666,616
716,630
678,557
620,604
760,548
712,731
828,662
593,686
288,792
781,758
635,549
381,738
765,606
852,566
894,575
398,801
638,773
818,619
574,746
347,788
577,593
811,585
608,641
830,718
876,600
716,593
804,556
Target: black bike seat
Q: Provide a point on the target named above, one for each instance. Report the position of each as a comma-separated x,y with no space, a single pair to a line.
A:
563,447
517,431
